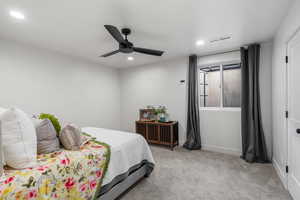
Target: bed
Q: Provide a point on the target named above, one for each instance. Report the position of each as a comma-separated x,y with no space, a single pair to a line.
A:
131,160
107,165
61,174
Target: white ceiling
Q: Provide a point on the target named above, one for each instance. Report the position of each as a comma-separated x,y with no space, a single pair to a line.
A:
76,27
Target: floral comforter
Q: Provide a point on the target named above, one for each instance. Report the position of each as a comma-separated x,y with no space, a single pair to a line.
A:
60,175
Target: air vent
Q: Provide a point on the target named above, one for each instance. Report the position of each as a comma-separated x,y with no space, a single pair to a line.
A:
220,39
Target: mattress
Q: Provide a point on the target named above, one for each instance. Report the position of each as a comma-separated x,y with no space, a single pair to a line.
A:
128,151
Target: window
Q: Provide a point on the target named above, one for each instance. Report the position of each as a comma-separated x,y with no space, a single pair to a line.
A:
210,82
220,85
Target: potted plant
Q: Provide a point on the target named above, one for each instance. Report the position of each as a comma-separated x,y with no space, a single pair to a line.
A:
161,112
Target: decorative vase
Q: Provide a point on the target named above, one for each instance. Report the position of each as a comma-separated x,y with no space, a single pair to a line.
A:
162,117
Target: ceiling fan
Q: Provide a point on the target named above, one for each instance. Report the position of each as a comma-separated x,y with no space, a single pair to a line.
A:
124,45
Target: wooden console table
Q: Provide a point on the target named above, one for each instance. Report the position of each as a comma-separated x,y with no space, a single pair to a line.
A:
159,132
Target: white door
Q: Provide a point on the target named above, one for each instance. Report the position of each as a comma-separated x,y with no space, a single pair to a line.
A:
294,116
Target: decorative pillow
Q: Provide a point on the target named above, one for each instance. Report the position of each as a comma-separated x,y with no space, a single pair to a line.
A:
70,137
19,136
47,142
53,119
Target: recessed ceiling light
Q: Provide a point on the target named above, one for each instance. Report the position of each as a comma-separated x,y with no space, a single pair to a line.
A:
16,14
200,42
130,58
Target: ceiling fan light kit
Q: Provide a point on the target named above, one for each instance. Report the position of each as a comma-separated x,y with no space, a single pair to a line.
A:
124,45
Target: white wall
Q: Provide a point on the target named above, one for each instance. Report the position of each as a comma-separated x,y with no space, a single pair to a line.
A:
221,131
37,80
158,84
219,58
288,27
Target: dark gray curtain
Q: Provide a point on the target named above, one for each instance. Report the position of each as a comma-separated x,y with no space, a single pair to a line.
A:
193,124
253,139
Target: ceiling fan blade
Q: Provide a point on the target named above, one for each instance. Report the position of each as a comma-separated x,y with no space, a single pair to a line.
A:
148,51
109,54
115,33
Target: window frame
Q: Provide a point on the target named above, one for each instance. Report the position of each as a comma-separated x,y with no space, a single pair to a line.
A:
221,107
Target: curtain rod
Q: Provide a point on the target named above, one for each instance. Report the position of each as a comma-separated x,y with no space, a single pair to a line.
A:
235,50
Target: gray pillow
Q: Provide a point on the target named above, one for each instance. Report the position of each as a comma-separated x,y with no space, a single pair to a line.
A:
47,142
70,137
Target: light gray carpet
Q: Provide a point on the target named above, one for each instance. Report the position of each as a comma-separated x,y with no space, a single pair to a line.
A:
185,175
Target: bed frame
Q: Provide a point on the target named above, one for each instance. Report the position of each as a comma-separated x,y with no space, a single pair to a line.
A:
126,184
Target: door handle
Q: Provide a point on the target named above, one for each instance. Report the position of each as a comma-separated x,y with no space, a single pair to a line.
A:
298,130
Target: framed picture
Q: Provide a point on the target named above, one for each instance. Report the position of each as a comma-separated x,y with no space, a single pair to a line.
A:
147,114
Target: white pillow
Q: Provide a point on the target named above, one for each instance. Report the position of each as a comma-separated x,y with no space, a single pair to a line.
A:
19,139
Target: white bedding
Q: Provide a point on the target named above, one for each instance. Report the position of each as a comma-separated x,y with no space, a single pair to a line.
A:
127,150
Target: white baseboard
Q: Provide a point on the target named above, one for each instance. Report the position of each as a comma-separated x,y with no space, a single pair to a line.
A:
281,173
219,149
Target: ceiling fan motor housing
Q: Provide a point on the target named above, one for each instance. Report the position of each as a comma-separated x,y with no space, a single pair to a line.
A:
126,31
126,47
